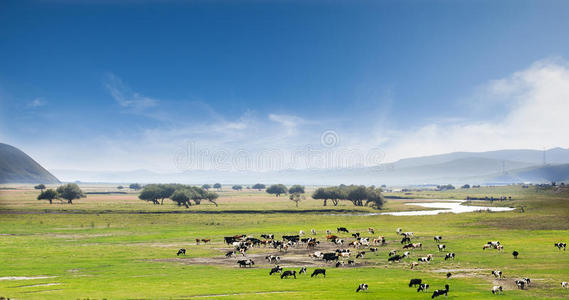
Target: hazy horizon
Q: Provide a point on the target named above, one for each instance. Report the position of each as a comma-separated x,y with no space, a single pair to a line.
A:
191,85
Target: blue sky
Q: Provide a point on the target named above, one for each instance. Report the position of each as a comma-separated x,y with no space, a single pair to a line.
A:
123,85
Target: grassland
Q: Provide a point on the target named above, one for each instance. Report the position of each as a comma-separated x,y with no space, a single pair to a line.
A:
115,246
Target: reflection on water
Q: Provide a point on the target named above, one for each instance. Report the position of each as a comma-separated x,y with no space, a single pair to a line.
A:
452,206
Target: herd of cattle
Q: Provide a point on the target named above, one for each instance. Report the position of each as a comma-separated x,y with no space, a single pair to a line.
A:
242,243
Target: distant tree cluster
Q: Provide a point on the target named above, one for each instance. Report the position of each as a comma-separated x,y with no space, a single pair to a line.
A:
359,195
237,187
179,193
135,186
259,186
445,187
69,192
277,189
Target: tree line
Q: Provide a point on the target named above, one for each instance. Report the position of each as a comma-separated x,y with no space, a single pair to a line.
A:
182,194
359,195
68,192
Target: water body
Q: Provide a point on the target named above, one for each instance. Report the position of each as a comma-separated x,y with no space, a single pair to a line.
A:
448,206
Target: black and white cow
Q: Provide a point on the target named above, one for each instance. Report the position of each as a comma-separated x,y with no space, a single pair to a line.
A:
330,256
449,256
565,284
318,271
373,250
395,257
414,282
230,254
276,269
288,273
181,252
361,254
497,289
560,245
273,259
342,229
438,238
520,283
441,247
406,239
437,293
423,287
245,263
302,271
497,273
362,287
268,236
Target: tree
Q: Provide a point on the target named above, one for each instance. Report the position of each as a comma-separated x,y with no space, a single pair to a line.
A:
211,197
357,195
135,186
296,189
237,187
120,187
375,197
466,186
70,192
40,187
48,195
321,194
182,197
217,186
338,193
277,189
296,197
153,192
206,186
259,186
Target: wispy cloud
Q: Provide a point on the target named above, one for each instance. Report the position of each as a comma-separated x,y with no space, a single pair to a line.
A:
124,96
37,102
290,122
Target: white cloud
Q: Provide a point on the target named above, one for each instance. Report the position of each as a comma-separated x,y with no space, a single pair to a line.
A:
290,122
537,101
124,96
37,102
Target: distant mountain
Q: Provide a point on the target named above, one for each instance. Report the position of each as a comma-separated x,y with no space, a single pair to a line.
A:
503,166
17,167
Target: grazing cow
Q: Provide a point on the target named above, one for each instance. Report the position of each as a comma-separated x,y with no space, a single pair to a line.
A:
364,241
291,238
406,253
500,248
301,232
486,247
273,259
318,271
380,240
441,247
312,244
520,283
330,256
565,284
302,271
438,238
424,259
245,263
373,250
449,274
342,229
205,241
408,234
497,289
399,230
198,241
449,256
418,245
362,287
181,252
408,246
339,241
313,231
527,280
405,240
392,252
230,254
356,235
268,236
415,282
494,244
351,262
413,265
423,287
339,264
331,237
497,273
396,258
361,254
371,230
288,273
437,293
561,245
515,254
276,269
